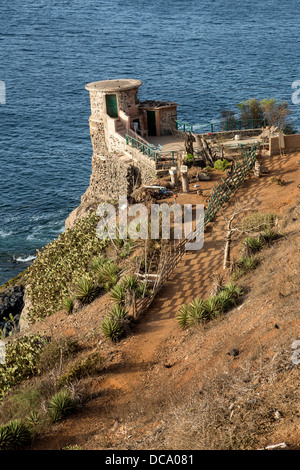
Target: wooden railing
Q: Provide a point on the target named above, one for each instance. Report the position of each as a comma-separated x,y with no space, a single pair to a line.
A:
220,194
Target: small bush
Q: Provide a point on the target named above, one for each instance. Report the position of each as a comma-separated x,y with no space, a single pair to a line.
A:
248,262
108,275
212,307
259,221
118,312
112,329
221,165
97,263
85,290
189,160
130,282
253,244
14,435
61,405
127,249
68,304
54,351
183,316
203,311
82,368
143,290
118,294
22,356
269,235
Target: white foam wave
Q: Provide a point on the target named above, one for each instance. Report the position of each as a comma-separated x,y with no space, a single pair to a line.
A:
25,260
4,234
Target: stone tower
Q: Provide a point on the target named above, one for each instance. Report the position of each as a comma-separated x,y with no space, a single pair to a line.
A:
119,126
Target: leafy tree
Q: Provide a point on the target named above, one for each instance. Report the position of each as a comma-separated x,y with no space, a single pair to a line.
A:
275,112
251,113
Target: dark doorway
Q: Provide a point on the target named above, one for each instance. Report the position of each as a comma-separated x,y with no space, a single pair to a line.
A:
111,105
151,122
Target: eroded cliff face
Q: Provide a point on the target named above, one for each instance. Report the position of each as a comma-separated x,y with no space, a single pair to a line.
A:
116,175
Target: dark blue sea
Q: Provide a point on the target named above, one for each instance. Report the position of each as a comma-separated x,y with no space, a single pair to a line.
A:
205,55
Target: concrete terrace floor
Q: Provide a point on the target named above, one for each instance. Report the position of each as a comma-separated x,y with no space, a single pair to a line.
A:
168,142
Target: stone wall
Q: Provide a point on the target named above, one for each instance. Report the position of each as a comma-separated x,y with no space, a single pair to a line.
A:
291,142
168,117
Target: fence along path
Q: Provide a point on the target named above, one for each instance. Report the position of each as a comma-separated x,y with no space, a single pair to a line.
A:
220,194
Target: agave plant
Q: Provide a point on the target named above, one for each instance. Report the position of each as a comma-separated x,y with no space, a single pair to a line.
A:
14,435
68,304
118,294
108,275
85,290
61,405
269,234
234,289
112,329
226,300
117,312
248,262
98,262
253,244
196,311
183,316
6,438
142,290
211,307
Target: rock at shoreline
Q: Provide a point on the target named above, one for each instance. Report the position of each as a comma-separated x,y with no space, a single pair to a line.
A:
11,302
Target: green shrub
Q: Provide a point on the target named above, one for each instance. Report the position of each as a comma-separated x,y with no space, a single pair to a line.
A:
130,282
112,329
269,234
253,244
212,307
82,368
221,165
108,275
226,300
248,262
118,312
118,294
235,290
143,290
68,304
61,405
97,263
22,356
127,249
85,290
259,221
61,264
14,435
189,160
183,316
203,311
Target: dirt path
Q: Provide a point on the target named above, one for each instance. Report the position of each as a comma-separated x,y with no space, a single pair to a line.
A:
133,361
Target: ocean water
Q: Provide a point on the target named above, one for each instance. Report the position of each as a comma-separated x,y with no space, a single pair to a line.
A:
205,55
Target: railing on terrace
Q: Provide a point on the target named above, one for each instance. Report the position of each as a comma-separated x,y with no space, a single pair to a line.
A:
184,126
148,150
221,126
